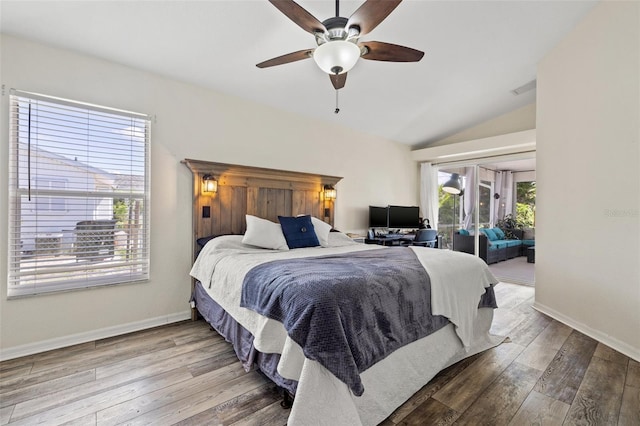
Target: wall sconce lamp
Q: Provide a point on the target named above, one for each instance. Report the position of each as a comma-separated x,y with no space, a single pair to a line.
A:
329,192
209,184
329,195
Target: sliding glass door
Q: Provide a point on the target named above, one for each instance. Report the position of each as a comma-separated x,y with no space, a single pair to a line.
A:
450,213
488,190
457,196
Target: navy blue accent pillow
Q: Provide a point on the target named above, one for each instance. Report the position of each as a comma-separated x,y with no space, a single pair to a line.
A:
204,240
299,231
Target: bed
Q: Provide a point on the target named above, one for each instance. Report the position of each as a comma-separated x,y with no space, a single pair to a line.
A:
349,389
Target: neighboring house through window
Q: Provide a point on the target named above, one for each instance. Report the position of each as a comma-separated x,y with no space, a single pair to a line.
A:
53,203
78,195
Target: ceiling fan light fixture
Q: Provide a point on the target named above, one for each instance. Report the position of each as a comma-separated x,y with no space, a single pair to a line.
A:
336,56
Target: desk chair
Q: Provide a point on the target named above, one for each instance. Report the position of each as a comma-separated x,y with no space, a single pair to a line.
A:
426,238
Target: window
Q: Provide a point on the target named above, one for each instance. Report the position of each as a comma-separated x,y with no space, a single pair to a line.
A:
526,203
451,210
78,195
486,204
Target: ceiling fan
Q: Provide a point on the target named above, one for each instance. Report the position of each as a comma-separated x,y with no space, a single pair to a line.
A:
338,42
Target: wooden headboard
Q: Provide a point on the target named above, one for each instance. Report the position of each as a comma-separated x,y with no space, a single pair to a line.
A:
266,193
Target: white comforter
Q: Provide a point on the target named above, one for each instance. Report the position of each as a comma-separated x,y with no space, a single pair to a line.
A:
457,282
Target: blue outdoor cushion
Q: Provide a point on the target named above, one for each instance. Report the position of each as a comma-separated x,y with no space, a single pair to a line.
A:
299,231
499,233
495,245
463,232
499,244
490,234
513,243
529,243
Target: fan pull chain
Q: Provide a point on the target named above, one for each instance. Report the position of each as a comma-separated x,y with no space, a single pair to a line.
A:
337,110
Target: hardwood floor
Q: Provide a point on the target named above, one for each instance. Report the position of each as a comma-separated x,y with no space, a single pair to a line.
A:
545,374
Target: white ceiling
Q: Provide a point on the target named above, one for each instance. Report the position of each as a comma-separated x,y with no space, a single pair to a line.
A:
476,52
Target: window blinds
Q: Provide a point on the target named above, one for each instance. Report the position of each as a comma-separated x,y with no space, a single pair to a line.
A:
78,195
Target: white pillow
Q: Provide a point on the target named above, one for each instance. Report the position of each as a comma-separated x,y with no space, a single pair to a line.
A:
322,231
264,233
338,239
226,242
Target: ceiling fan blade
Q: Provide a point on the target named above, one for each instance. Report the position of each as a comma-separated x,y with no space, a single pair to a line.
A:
285,59
380,51
338,80
371,13
300,16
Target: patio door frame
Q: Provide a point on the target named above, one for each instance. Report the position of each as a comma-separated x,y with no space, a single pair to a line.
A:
476,163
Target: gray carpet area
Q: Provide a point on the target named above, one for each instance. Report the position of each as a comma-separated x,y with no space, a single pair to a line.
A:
515,271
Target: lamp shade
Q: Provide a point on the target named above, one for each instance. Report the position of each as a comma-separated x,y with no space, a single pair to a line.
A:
337,56
452,186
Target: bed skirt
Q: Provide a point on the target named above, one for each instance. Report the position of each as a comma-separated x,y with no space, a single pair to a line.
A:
241,339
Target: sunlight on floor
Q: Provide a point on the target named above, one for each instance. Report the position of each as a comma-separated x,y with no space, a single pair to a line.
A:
516,271
512,300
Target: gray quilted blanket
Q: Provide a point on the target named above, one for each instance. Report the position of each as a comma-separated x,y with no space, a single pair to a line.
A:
347,312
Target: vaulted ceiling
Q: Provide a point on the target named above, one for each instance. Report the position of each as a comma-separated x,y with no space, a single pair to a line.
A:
476,53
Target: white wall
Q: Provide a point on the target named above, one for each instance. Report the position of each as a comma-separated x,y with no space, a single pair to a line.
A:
192,122
526,176
515,121
510,146
588,178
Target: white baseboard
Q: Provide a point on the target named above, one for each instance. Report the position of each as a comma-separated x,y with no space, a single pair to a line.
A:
603,338
74,339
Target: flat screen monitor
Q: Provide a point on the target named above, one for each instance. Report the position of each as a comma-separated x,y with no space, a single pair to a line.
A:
378,217
404,217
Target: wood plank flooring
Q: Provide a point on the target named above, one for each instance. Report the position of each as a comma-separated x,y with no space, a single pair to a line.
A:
185,374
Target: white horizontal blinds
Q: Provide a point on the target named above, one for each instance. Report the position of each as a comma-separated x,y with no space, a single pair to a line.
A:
79,195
